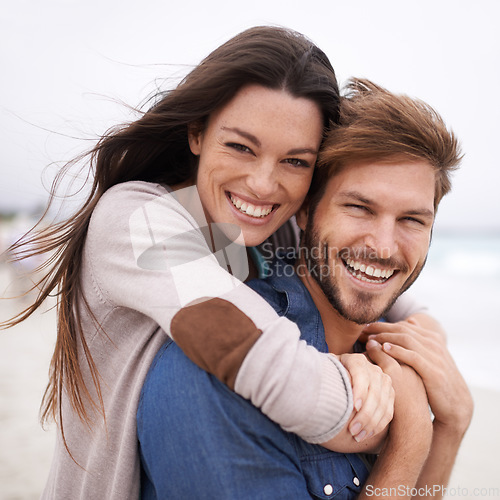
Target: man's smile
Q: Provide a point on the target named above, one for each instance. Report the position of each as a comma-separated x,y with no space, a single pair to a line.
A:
369,273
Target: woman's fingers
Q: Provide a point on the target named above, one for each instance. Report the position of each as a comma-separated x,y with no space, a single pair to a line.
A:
377,410
373,395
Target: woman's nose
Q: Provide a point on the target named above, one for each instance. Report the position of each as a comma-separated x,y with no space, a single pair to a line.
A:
263,180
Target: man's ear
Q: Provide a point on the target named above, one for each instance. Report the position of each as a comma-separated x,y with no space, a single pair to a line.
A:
195,134
302,215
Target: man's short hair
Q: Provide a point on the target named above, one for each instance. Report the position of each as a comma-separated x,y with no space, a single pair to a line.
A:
379,126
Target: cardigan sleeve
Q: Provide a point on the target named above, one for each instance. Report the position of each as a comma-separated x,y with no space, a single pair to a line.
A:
148,253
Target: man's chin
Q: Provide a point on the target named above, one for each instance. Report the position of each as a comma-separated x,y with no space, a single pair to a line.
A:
360,307
362,311
364,318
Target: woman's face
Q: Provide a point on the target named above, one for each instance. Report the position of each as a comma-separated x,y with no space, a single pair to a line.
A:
256,160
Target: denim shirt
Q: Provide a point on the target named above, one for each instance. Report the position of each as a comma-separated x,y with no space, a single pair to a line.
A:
198,439
325,471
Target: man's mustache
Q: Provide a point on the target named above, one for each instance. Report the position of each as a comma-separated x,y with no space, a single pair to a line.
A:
369,256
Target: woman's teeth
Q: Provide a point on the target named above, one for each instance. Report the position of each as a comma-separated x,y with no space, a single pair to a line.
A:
362,271
249,209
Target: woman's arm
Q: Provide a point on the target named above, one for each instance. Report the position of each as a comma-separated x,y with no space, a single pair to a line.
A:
147,253
227,356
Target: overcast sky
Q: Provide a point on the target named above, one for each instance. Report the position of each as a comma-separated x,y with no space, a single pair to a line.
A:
68,67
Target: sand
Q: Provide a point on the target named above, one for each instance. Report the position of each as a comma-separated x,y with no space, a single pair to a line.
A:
477,473
26,449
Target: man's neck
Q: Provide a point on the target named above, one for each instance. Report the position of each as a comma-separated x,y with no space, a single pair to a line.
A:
340,333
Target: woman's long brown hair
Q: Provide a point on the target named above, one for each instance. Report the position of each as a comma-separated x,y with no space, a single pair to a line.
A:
155,148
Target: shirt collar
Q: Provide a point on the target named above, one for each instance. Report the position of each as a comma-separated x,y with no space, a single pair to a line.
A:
301,308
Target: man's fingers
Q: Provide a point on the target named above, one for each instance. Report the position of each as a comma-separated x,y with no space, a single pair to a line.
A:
381,326
408,357
422,348
403,327
379,357
406,340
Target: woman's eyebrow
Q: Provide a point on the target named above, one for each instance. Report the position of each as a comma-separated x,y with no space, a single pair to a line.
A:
301,151
254,140
244,134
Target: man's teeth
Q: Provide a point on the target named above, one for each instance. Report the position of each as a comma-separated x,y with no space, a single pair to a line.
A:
249,209
354,266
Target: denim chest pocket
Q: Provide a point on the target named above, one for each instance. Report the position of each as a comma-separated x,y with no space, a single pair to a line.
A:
334,475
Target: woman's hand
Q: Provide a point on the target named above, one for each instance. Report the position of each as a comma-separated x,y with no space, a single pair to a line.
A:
373,396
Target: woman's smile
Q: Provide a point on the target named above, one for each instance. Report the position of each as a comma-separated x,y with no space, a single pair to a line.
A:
251,208
256,160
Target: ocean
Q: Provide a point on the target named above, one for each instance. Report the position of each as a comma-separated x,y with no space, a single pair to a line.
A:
461,286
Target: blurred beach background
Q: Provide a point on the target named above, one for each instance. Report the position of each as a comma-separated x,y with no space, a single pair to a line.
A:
68,69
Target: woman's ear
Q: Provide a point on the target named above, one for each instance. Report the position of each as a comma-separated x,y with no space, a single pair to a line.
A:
195,136
302,215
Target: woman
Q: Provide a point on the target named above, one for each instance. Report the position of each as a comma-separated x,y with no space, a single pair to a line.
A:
233,146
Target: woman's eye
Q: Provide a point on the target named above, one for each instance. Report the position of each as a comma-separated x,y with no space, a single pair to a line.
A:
239,147
297,162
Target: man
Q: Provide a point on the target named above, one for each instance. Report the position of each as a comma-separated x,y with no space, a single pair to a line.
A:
366,232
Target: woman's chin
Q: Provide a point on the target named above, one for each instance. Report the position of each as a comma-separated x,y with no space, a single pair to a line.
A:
248,232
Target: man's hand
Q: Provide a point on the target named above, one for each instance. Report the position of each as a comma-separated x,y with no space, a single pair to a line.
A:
411,408
426,352
450,400
406,448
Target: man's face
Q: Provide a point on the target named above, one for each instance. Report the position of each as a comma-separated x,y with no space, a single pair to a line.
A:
368,238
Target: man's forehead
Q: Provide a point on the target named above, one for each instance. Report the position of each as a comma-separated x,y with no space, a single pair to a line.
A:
382,168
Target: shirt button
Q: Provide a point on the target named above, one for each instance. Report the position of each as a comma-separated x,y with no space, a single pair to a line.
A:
328,489
356,481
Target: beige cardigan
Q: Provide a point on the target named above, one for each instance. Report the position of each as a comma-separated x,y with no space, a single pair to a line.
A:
144,259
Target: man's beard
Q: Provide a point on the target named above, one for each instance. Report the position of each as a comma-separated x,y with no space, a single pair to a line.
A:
360,310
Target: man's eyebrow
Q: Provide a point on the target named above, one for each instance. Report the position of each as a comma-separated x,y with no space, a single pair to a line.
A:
244,134
423,212
355,195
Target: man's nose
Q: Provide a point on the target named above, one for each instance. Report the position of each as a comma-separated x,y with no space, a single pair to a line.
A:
382,238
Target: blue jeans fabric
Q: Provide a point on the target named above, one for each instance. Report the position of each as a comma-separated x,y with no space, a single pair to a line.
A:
198,439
